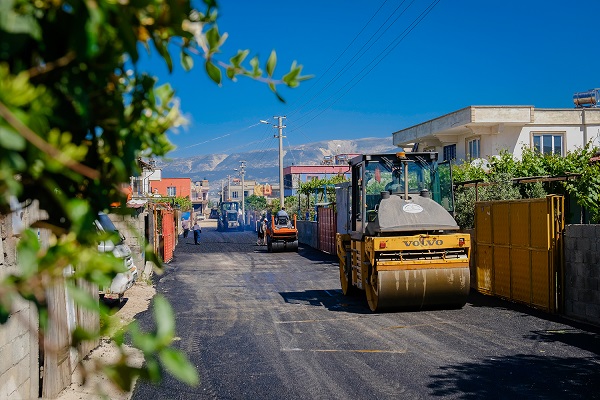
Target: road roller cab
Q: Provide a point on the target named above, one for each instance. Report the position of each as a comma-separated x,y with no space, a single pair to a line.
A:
397,239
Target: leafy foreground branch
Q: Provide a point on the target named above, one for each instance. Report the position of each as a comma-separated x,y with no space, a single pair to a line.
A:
76,112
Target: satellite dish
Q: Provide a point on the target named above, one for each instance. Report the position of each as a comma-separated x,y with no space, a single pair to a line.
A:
481,163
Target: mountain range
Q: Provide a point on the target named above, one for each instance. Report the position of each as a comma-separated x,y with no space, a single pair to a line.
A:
263,165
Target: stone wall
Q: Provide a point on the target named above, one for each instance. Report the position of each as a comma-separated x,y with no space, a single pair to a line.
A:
19,368
308,233
582,272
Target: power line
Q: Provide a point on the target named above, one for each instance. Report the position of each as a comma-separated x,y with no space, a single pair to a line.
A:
338,58
360,51
381,56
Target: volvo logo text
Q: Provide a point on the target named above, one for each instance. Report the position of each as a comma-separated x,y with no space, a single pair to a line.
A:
423,242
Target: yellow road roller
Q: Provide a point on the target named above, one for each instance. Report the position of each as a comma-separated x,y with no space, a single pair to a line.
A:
397,239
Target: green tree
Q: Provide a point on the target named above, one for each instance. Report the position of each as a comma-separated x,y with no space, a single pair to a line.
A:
76,111
323,188
497,183
255,203
184,203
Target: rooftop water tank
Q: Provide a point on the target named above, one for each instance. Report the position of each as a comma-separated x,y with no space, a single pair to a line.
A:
589,98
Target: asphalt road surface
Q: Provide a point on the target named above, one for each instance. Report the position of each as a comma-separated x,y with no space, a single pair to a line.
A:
276,326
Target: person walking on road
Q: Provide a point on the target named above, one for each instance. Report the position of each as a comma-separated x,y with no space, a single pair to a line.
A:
261,229
185,224
197,230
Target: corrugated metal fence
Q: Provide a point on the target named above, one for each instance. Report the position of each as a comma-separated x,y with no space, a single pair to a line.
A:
327,227
169,234
519,250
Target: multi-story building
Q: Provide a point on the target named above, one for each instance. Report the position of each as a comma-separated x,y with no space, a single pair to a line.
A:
199,195
140,185
294,175
232,189
484,131
172,187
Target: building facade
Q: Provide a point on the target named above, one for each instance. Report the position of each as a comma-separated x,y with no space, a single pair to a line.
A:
172,187
232,190
199,195
331,166
484,131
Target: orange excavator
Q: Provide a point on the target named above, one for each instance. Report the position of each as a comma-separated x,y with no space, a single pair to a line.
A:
282,233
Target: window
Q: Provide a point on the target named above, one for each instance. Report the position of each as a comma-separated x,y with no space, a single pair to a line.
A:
234,195
547,143
450,152
473,149
171,191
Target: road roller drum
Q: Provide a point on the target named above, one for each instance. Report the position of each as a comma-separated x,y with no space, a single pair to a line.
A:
419,289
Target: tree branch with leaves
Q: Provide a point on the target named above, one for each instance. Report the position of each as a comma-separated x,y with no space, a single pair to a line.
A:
76,112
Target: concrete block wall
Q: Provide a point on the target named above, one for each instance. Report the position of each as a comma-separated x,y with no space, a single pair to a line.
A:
19,347
308,233
582,272
133,228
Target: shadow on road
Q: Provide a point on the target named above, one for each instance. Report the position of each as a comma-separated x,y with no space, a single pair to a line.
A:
577,334
316,255
588,341
520,377
332,299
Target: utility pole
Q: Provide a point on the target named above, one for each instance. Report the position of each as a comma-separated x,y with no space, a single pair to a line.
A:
280,127
228,187
242,173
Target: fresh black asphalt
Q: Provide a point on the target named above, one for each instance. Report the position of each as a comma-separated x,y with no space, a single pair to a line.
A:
259,325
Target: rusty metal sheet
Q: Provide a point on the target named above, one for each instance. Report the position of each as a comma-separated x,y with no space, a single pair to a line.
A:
519,224
540,279
539,225
520,275
500,226
484,268
483,222
502,274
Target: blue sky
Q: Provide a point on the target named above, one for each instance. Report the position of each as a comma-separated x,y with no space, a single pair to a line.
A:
370,83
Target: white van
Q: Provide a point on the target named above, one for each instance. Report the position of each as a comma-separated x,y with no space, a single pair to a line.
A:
123,280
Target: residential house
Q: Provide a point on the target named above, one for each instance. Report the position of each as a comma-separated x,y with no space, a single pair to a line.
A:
172,187
483,131
199,193
140,185
232,189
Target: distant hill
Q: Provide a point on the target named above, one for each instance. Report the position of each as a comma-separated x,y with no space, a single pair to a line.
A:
262,165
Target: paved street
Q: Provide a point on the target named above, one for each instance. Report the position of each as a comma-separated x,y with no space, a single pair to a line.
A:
276,326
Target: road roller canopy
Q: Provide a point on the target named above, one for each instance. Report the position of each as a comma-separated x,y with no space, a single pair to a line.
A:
416,180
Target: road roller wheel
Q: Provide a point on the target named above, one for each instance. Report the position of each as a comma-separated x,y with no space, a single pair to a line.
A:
372,291
346,278
294,246
278,246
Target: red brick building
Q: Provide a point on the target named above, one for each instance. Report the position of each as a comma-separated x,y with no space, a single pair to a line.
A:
172,187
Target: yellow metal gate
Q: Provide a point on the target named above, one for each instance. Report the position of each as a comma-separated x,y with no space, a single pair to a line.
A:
519,250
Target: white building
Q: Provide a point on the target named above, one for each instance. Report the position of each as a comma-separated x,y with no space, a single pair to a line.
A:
483,131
